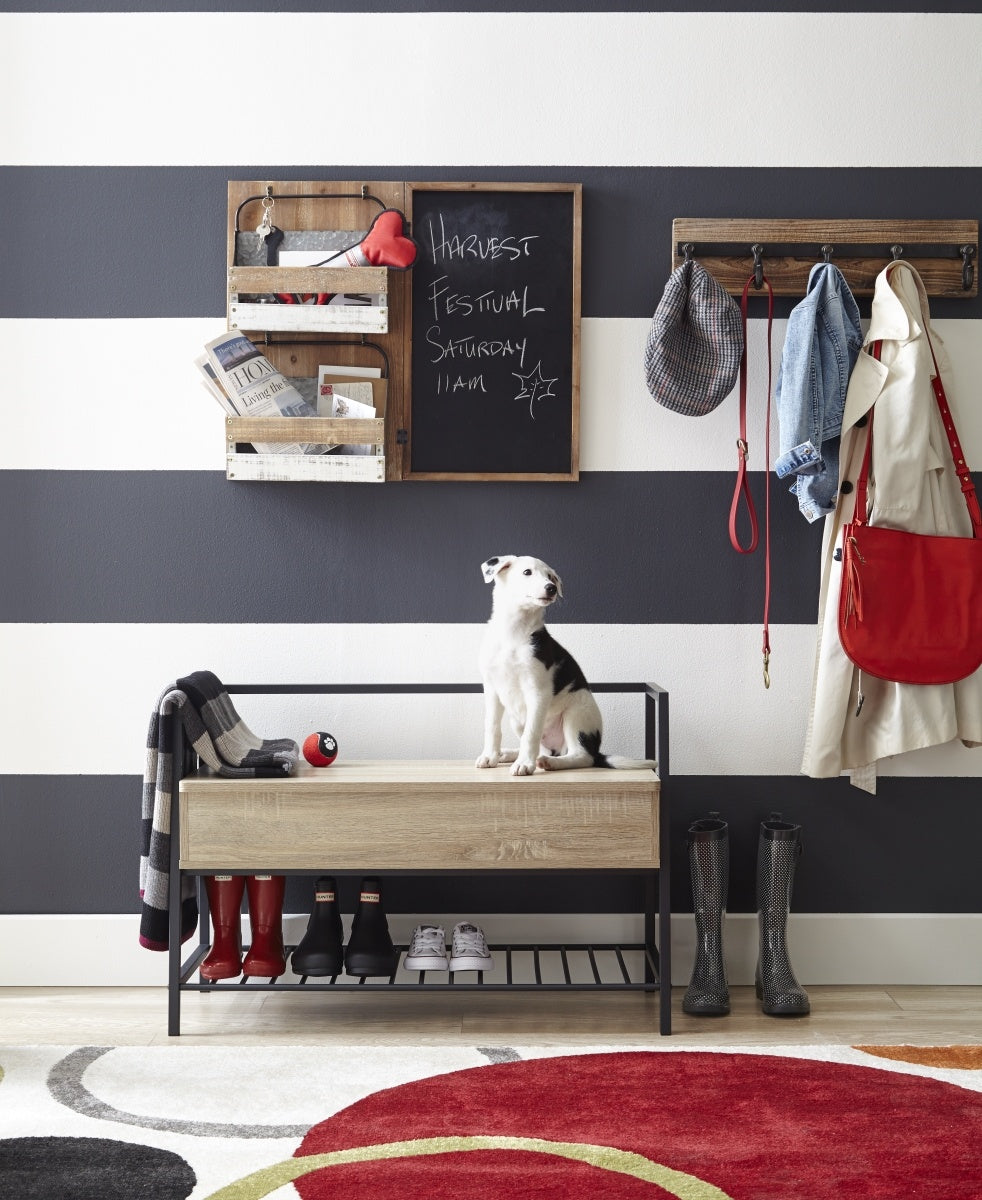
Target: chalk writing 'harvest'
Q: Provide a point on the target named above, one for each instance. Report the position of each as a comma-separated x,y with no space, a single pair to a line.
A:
454,246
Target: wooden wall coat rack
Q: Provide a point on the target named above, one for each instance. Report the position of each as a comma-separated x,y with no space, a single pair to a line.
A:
943,252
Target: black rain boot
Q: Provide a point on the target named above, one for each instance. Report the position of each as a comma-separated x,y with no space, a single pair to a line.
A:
778,850
709,865
370,950
319,952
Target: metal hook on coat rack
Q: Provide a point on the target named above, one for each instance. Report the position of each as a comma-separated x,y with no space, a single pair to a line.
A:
758,252
968,271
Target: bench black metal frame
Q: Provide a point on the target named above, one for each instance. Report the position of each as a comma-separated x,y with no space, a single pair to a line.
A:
631,966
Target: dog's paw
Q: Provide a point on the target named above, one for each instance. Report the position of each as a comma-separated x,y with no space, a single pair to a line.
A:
523,766
546,762
487,760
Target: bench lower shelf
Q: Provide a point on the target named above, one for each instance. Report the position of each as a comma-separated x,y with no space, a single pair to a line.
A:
533,967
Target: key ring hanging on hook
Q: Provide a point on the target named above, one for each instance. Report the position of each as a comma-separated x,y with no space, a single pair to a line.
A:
266,224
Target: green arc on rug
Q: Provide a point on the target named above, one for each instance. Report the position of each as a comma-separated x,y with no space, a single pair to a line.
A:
676,1183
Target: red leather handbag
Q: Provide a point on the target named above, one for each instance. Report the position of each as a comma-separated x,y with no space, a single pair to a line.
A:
910,604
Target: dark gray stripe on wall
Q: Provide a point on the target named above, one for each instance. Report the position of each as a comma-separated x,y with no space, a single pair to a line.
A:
861,853
423,6
115,241
160,546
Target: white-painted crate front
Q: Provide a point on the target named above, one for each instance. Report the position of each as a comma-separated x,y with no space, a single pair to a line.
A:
366,287
313,468
282,468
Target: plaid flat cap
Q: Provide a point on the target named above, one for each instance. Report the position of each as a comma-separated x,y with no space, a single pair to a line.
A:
692,356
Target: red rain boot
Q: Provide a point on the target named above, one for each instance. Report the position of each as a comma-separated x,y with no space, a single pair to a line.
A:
225,902
266,955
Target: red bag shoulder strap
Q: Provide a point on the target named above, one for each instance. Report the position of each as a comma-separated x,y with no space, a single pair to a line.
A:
957,455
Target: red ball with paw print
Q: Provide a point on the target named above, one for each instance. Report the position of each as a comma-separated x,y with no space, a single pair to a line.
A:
320,749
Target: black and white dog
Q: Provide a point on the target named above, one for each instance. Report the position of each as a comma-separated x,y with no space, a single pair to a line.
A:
527,674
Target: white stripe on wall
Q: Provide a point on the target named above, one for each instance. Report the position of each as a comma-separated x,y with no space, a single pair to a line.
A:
608,88
108,678
150,412
826,948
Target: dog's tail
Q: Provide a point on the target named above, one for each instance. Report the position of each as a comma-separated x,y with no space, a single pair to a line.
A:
619,763
591,744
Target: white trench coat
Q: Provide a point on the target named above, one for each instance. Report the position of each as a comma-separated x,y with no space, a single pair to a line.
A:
914,487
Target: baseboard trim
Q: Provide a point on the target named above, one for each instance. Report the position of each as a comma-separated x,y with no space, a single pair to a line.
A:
825,948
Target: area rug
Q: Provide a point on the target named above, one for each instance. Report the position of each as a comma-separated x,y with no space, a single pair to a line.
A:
554,1123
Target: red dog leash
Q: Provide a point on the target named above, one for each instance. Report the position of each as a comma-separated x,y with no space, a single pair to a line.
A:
742,489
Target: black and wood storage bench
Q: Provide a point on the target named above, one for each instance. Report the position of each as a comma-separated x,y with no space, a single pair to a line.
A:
379,817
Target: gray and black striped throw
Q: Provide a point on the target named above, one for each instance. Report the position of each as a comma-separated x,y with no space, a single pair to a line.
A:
216,734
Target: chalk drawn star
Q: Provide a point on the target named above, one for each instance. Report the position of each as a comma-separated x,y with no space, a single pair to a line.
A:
534,386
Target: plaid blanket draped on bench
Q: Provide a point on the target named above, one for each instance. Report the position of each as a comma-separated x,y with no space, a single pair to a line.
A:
215,733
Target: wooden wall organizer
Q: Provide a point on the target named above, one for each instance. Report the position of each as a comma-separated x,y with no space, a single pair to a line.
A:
943,252
296,338
460,400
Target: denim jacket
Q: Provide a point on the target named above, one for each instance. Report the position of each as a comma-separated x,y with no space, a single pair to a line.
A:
820,350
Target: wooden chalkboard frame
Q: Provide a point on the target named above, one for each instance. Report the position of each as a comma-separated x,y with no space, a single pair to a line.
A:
570,348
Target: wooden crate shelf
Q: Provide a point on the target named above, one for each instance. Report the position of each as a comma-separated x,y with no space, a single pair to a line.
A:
316,468
272,316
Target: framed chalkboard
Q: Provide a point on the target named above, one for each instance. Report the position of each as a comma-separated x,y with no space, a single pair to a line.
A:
495,331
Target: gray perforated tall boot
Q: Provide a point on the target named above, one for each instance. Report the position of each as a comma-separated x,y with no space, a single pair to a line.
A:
778,851
709,865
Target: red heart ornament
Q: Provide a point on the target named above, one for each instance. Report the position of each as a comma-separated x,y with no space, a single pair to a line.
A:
385,244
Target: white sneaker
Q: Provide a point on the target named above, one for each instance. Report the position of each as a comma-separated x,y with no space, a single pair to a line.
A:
427,950
470,951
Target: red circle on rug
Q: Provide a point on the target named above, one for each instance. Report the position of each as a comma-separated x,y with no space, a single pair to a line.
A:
753,1126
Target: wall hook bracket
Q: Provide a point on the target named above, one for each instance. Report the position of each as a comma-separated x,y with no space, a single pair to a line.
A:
942,251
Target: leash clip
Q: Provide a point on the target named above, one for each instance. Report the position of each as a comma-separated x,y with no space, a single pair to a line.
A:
767,665
743,448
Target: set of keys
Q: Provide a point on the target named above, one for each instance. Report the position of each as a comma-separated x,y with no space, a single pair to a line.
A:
269,236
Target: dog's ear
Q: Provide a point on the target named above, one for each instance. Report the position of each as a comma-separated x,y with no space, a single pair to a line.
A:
559,584
491,568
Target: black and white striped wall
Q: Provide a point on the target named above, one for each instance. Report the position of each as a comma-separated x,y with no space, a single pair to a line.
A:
127,559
